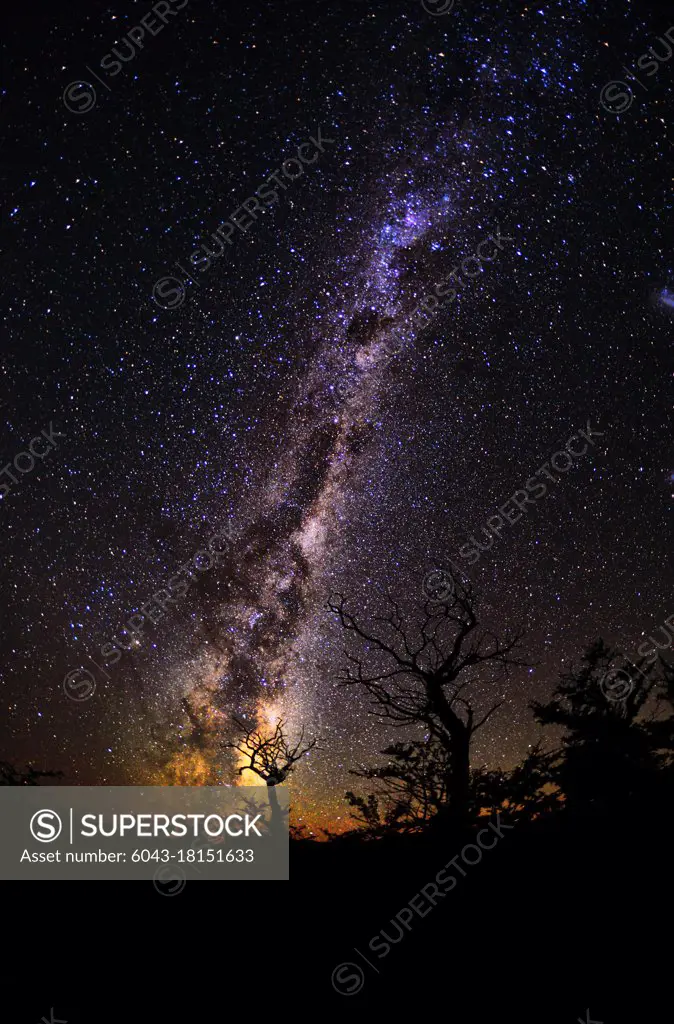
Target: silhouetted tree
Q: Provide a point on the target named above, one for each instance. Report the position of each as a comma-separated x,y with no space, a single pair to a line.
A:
418,673
608,755
411,788
372,819
528,789
271,757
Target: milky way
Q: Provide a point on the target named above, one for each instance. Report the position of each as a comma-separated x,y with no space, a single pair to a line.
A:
278,571
296,395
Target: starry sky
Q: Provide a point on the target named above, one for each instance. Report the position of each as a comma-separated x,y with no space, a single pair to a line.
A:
270,401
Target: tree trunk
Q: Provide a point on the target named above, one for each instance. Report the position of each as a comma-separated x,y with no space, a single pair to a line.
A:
457,742
276,824
458,784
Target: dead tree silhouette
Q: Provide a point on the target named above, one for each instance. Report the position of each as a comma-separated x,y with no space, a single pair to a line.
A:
272,758
418,672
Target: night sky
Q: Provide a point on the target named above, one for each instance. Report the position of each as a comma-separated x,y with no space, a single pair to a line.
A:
270,401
